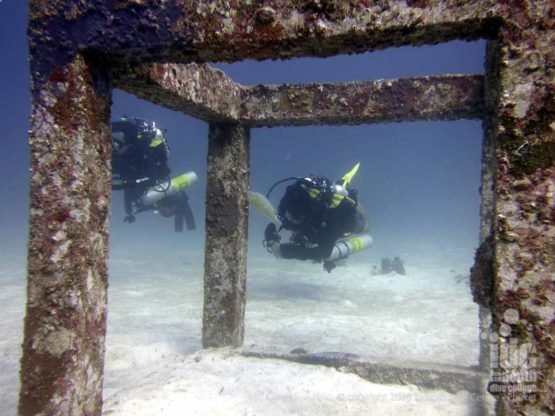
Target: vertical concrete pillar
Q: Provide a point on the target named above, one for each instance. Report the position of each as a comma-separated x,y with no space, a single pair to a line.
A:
65,322
225,258
483,286
491,83
523,376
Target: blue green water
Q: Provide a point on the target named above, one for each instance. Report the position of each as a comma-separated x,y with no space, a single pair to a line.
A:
417,180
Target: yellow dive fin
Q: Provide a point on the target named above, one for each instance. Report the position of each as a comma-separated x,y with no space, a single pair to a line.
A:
346,179
264,206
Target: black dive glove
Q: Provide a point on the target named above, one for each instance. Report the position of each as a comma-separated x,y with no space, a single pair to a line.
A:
271,235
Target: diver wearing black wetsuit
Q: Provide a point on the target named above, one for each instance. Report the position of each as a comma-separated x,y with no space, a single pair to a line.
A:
318,213
139,162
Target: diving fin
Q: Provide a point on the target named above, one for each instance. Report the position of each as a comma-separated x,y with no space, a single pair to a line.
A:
346,179
264,206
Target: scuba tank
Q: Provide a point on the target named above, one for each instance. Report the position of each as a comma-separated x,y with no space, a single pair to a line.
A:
168,188
345,247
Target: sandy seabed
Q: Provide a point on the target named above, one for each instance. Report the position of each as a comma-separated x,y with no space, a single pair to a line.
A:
155,364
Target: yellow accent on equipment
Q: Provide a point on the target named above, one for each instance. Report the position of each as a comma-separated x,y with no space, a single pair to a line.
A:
346,180
168,188
183,181
357,243
155,142
337,199
354,244
158,139
313,193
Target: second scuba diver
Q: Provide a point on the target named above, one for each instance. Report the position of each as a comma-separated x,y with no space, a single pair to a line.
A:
140,168
325,218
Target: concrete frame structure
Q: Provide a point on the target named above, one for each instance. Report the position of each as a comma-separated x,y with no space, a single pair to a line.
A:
156,49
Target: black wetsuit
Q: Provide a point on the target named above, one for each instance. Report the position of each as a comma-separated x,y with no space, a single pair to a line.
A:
314,221
135,163
139,162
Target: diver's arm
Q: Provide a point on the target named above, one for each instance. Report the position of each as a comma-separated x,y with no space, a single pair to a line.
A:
132,203
302,252
296,250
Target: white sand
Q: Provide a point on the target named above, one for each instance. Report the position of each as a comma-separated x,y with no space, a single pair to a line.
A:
213,383
153,362
12,295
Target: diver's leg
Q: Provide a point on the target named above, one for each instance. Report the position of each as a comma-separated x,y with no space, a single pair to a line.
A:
188,213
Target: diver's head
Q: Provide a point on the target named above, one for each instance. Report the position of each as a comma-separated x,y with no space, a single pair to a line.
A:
294,207
158,136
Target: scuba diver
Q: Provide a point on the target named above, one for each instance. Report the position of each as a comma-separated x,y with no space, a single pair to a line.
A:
140,168
325,218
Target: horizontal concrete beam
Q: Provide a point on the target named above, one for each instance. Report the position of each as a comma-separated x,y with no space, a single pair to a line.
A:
427,375
210,31
447,97
198,90
207,93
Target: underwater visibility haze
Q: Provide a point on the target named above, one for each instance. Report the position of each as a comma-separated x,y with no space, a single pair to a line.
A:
419,185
